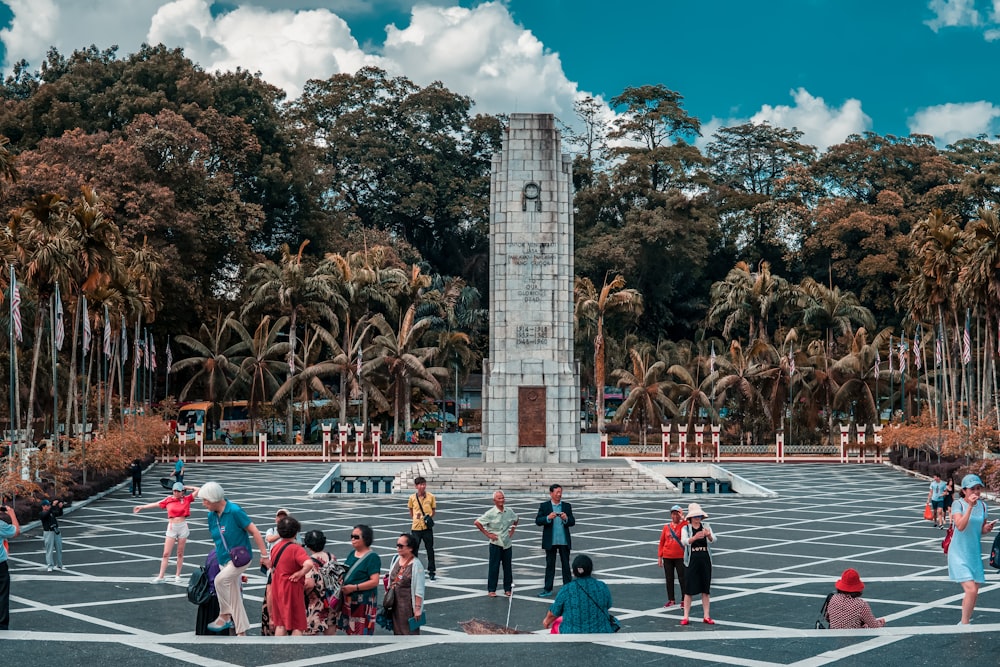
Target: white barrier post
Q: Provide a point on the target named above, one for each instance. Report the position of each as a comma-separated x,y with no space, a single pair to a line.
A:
779,446
682,437
717,441
359,440
327,441
377,441
262,447
342,428
665,434
844,442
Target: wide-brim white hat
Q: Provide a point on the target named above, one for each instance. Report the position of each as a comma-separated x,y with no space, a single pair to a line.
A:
694,509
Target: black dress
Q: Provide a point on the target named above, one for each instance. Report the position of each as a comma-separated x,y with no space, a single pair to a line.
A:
698,578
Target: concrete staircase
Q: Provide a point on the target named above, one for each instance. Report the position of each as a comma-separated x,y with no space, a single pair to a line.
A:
468,476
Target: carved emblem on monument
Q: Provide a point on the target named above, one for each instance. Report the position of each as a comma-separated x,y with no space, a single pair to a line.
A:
530,194
531,416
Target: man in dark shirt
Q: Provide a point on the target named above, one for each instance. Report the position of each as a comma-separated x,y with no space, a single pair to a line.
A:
136,470
51,511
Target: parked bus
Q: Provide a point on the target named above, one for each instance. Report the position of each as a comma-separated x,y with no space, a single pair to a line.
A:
235,416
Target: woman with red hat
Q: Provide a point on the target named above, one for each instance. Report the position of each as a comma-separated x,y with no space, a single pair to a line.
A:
847,611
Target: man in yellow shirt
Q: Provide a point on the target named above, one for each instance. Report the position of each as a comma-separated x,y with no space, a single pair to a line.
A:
422,507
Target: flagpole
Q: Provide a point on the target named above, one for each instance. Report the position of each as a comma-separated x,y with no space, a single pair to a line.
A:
13,364
166,391
55,360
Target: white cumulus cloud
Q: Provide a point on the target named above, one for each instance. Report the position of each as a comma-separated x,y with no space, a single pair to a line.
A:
821,125
286,47
948,123
482,53
953,14
70,25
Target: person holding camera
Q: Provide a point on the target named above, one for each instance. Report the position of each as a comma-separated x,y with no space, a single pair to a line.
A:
51,511
7,530
555,517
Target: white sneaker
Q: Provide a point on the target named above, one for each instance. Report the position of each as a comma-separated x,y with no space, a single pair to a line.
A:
49,568
177,578
157,580
60,568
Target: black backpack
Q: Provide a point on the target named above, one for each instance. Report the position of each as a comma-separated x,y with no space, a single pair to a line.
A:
995,553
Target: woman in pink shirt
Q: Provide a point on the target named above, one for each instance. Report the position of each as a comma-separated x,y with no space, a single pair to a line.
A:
178,506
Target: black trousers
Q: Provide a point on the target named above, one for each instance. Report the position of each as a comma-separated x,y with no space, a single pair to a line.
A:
500,556
426,537
4,596
550,565
669,566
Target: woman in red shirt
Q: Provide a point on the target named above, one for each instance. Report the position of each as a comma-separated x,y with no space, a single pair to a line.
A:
178,506
671,553
286,603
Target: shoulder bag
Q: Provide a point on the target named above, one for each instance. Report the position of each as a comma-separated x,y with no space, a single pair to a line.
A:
615,625
428,520
240,555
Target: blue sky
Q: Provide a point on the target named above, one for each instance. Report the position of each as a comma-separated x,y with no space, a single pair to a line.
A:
828,67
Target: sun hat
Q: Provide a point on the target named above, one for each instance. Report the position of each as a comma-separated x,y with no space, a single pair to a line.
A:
694,509
282,512
970,481
850,581
676,508
178,486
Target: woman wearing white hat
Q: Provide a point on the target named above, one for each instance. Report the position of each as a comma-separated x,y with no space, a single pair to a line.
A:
178,506
965,555
696,537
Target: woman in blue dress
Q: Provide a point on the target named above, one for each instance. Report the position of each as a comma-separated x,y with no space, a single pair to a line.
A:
584,604
965,555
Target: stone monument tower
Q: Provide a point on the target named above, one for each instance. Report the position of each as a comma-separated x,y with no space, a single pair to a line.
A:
531,390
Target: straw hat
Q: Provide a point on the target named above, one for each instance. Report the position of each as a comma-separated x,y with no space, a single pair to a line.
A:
694,509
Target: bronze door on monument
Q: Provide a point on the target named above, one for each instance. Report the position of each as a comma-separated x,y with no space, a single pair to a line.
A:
531,416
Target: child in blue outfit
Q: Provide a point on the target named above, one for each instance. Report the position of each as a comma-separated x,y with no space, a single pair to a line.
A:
965,555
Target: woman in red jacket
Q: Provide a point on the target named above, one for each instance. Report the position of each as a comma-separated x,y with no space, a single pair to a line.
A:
671,553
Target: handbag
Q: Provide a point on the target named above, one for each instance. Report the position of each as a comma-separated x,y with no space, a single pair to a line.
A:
928,513
612,620
389,601
823,621
239,554
428,520
417,621
946,542
198,591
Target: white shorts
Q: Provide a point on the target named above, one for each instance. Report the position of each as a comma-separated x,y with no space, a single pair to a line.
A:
179,531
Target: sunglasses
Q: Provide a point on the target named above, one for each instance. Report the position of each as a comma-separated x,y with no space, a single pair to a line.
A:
355,537
400,546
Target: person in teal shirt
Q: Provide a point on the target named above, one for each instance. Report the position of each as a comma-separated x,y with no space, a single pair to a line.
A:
584,604
7,530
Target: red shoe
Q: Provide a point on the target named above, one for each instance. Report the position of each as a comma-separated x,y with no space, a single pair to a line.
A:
684,621
669,604
708,621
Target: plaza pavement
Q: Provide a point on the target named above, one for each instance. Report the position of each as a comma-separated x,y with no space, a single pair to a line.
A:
775,560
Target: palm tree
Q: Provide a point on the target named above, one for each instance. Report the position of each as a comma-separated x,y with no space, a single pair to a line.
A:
214,359
297,289
832,311
747,299
43,246
368,286
263,361
399,356
646,398
738,381
591,309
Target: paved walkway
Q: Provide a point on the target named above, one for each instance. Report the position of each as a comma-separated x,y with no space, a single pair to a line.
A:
776,558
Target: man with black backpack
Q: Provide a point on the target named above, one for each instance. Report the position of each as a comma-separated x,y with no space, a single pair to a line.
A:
423,506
